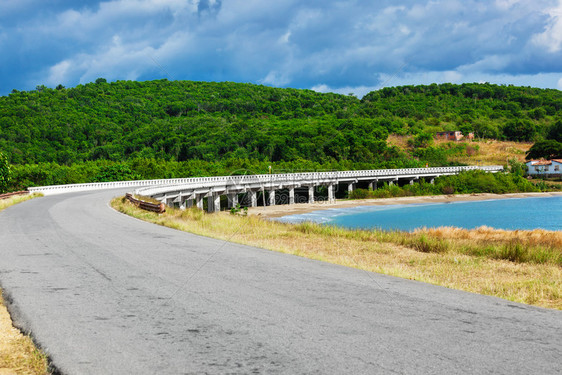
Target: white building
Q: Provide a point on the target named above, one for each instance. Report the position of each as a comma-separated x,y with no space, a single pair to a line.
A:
546,168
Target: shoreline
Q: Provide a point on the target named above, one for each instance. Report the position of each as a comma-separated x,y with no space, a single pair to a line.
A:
302,208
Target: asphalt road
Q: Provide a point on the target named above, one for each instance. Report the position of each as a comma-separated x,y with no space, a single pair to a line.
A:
103,293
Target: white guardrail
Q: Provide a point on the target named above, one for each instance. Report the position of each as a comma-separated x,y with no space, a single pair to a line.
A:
163,185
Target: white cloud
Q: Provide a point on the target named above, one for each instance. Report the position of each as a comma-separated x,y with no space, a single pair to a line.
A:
275,78
551,38
560,84
59,73
452,76
284,39
487,63
358,91
506,4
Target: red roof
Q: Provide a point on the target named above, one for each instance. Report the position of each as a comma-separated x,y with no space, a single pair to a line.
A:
544,162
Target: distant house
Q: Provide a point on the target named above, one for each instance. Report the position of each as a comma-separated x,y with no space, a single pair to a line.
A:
546,168
453,135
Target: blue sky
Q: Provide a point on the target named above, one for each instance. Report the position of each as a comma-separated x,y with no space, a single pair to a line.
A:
351,46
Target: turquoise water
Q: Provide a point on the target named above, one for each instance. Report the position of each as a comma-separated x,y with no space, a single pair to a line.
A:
511,214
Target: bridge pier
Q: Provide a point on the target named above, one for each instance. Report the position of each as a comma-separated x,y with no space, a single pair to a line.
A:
199,201
331,195
253,198
214,203
188,203
232,200
183,201
272,197
292,195
193,191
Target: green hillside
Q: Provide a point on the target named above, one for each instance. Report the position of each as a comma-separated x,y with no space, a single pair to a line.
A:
167,128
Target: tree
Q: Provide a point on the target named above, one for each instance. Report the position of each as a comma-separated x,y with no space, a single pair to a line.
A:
548,149
421,140
519,130
5,173
555,132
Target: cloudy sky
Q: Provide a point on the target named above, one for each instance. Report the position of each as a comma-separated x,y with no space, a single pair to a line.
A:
346,46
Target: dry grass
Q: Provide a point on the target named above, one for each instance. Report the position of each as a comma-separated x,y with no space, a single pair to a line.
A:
537,237
423,256
492,152
484,152
5,203
18,354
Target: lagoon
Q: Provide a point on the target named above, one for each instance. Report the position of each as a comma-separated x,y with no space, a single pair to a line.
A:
509,214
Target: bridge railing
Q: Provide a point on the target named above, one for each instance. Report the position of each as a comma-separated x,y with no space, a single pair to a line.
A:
203,182
318,178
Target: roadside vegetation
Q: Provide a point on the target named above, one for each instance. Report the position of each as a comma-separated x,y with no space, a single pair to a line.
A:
18,353
522,266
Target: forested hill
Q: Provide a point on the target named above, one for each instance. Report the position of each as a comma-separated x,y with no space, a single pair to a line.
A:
183,120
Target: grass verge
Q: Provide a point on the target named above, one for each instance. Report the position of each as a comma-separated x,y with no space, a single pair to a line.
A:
18,353
521,266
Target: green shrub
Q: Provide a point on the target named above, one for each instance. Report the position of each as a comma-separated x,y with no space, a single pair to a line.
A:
5,173
360,194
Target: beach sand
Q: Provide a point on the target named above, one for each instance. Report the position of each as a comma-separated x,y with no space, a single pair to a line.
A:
301,208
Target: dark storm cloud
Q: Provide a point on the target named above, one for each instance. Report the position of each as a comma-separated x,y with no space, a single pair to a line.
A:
327,45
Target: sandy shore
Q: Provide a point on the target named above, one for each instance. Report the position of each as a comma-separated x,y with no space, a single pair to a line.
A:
284,210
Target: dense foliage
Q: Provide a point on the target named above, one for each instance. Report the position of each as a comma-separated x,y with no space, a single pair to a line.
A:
184,120
5,173
548,149
125,129
551,147
490,111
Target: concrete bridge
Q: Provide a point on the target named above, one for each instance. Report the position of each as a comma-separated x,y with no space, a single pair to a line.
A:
284,188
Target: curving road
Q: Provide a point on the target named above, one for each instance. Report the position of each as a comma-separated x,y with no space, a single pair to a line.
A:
103,293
